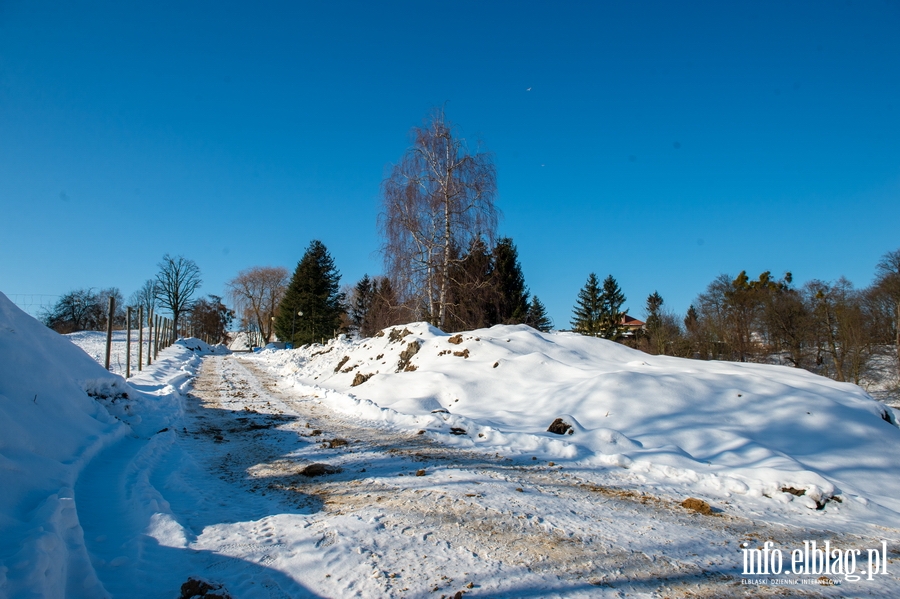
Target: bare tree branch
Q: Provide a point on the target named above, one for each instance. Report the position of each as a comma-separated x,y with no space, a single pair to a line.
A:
176,282
256,293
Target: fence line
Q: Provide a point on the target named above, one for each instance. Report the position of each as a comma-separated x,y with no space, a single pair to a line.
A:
160,330
33,303
160,335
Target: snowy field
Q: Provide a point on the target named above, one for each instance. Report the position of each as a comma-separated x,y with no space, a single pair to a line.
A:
419,464
94,345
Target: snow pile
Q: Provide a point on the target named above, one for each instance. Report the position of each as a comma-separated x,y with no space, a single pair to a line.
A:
241,342
719,429
50,427
153,394
59,409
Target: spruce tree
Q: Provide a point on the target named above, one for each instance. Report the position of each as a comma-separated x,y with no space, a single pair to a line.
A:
472,295
691,319
314,291
612,315
385,310
589,308
537,316
654,304
509,282
654,322
363,296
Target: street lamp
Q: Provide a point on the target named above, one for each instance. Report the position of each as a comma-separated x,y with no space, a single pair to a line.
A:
293,326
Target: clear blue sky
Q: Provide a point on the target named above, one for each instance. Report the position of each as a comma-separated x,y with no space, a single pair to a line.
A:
664,143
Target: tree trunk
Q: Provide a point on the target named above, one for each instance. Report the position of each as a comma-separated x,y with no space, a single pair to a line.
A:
835,354
446,265
897,340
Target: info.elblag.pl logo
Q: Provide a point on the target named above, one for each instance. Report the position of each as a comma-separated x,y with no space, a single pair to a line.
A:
814,560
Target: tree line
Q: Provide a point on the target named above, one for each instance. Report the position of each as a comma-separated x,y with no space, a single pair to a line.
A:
829,327
485,287
445,264
173,289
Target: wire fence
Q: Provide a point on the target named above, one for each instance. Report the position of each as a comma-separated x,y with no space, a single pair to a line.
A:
34,304
160,332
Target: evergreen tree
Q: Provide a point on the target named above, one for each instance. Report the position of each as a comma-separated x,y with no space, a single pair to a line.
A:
314,291
384,310
589,308
691,319
655,322
537,316
509,282
612,314
362,298
472,294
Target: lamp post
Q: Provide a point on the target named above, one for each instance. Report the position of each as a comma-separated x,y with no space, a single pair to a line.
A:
293,326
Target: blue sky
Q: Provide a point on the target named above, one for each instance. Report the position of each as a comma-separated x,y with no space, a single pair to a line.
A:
663,143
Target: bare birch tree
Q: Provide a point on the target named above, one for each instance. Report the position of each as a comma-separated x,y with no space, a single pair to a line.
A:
437,199
256,293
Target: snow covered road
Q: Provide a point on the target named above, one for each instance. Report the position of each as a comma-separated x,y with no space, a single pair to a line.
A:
224,494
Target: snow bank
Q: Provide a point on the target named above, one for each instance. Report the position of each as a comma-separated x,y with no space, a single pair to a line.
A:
50,427
718,428
58,409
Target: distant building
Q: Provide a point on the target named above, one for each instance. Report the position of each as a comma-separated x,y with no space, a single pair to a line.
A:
631,324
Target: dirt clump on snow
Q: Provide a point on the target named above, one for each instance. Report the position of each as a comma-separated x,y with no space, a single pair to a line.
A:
560,427
361,378
623,494
698,505
407,354
343,361
397,334
195,587
318,469
462,354
455,339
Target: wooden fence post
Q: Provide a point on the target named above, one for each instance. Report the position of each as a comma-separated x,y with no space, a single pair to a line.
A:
128,342
140,338
156,340
150,317
109,325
